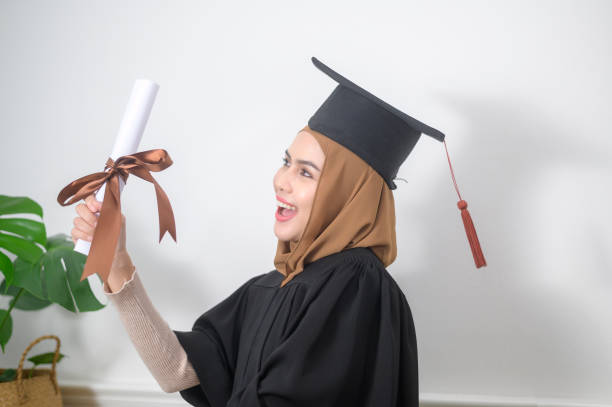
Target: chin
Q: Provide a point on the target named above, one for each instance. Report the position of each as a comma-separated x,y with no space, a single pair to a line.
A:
285,237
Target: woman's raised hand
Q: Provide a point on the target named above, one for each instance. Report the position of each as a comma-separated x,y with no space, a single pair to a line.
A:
85,223
84,227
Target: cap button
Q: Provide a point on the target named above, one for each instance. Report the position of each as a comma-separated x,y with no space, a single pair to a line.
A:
462,204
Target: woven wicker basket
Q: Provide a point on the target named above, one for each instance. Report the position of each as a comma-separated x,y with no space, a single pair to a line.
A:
41,390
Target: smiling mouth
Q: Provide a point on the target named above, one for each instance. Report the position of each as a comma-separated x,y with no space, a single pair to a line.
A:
285,204
283,214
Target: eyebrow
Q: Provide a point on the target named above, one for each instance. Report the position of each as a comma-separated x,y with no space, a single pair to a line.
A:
303,161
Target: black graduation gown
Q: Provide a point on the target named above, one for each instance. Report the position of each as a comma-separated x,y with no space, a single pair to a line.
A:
339,334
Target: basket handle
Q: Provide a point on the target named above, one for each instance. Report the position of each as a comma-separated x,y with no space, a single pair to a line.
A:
20,389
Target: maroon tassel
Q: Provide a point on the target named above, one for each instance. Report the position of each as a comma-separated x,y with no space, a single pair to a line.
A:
467,223
471,235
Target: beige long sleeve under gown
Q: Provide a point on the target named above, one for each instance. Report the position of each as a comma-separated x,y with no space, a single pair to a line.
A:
155,342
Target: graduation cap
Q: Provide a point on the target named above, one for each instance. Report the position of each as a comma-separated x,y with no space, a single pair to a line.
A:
380,134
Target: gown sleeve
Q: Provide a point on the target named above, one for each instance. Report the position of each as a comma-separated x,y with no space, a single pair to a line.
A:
212,346
354,345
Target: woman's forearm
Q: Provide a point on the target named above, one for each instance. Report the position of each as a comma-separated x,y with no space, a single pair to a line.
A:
155,342
121,272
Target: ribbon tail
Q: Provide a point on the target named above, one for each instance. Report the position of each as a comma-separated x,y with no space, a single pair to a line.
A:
164,209
470,231
165,213
106,235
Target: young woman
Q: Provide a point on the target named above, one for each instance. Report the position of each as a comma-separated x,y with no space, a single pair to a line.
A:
328,326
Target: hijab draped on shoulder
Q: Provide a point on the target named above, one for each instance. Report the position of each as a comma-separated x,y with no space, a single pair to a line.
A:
352,207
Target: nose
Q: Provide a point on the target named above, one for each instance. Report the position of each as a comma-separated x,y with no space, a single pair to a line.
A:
282,181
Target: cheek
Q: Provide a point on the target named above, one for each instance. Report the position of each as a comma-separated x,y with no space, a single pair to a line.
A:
308,199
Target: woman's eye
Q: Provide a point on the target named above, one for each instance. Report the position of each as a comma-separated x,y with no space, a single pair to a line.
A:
285,162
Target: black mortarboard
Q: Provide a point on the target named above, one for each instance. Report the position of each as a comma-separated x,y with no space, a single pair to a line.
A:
380,134
371,128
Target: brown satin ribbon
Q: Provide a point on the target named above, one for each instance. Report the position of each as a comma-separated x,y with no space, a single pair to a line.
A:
107,231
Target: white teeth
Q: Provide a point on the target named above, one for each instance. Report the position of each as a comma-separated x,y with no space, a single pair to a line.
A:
284,205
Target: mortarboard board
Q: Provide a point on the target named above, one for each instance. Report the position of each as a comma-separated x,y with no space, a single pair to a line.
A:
380,134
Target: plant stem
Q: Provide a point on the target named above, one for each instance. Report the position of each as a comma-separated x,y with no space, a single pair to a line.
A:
11,308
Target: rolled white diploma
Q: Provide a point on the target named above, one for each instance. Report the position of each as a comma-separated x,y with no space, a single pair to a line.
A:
128,138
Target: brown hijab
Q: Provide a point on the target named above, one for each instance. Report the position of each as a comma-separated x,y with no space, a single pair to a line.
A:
352,207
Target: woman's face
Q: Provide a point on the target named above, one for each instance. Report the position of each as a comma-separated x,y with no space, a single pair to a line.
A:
295,183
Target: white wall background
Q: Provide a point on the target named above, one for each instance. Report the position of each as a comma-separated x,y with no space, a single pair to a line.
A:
522,90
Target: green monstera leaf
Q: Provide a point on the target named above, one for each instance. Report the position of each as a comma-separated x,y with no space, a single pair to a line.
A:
46,270
62,268
25,301
45,358
6,329
23,234
54,278
8,375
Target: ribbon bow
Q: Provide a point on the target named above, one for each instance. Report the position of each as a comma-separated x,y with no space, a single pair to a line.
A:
107,230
